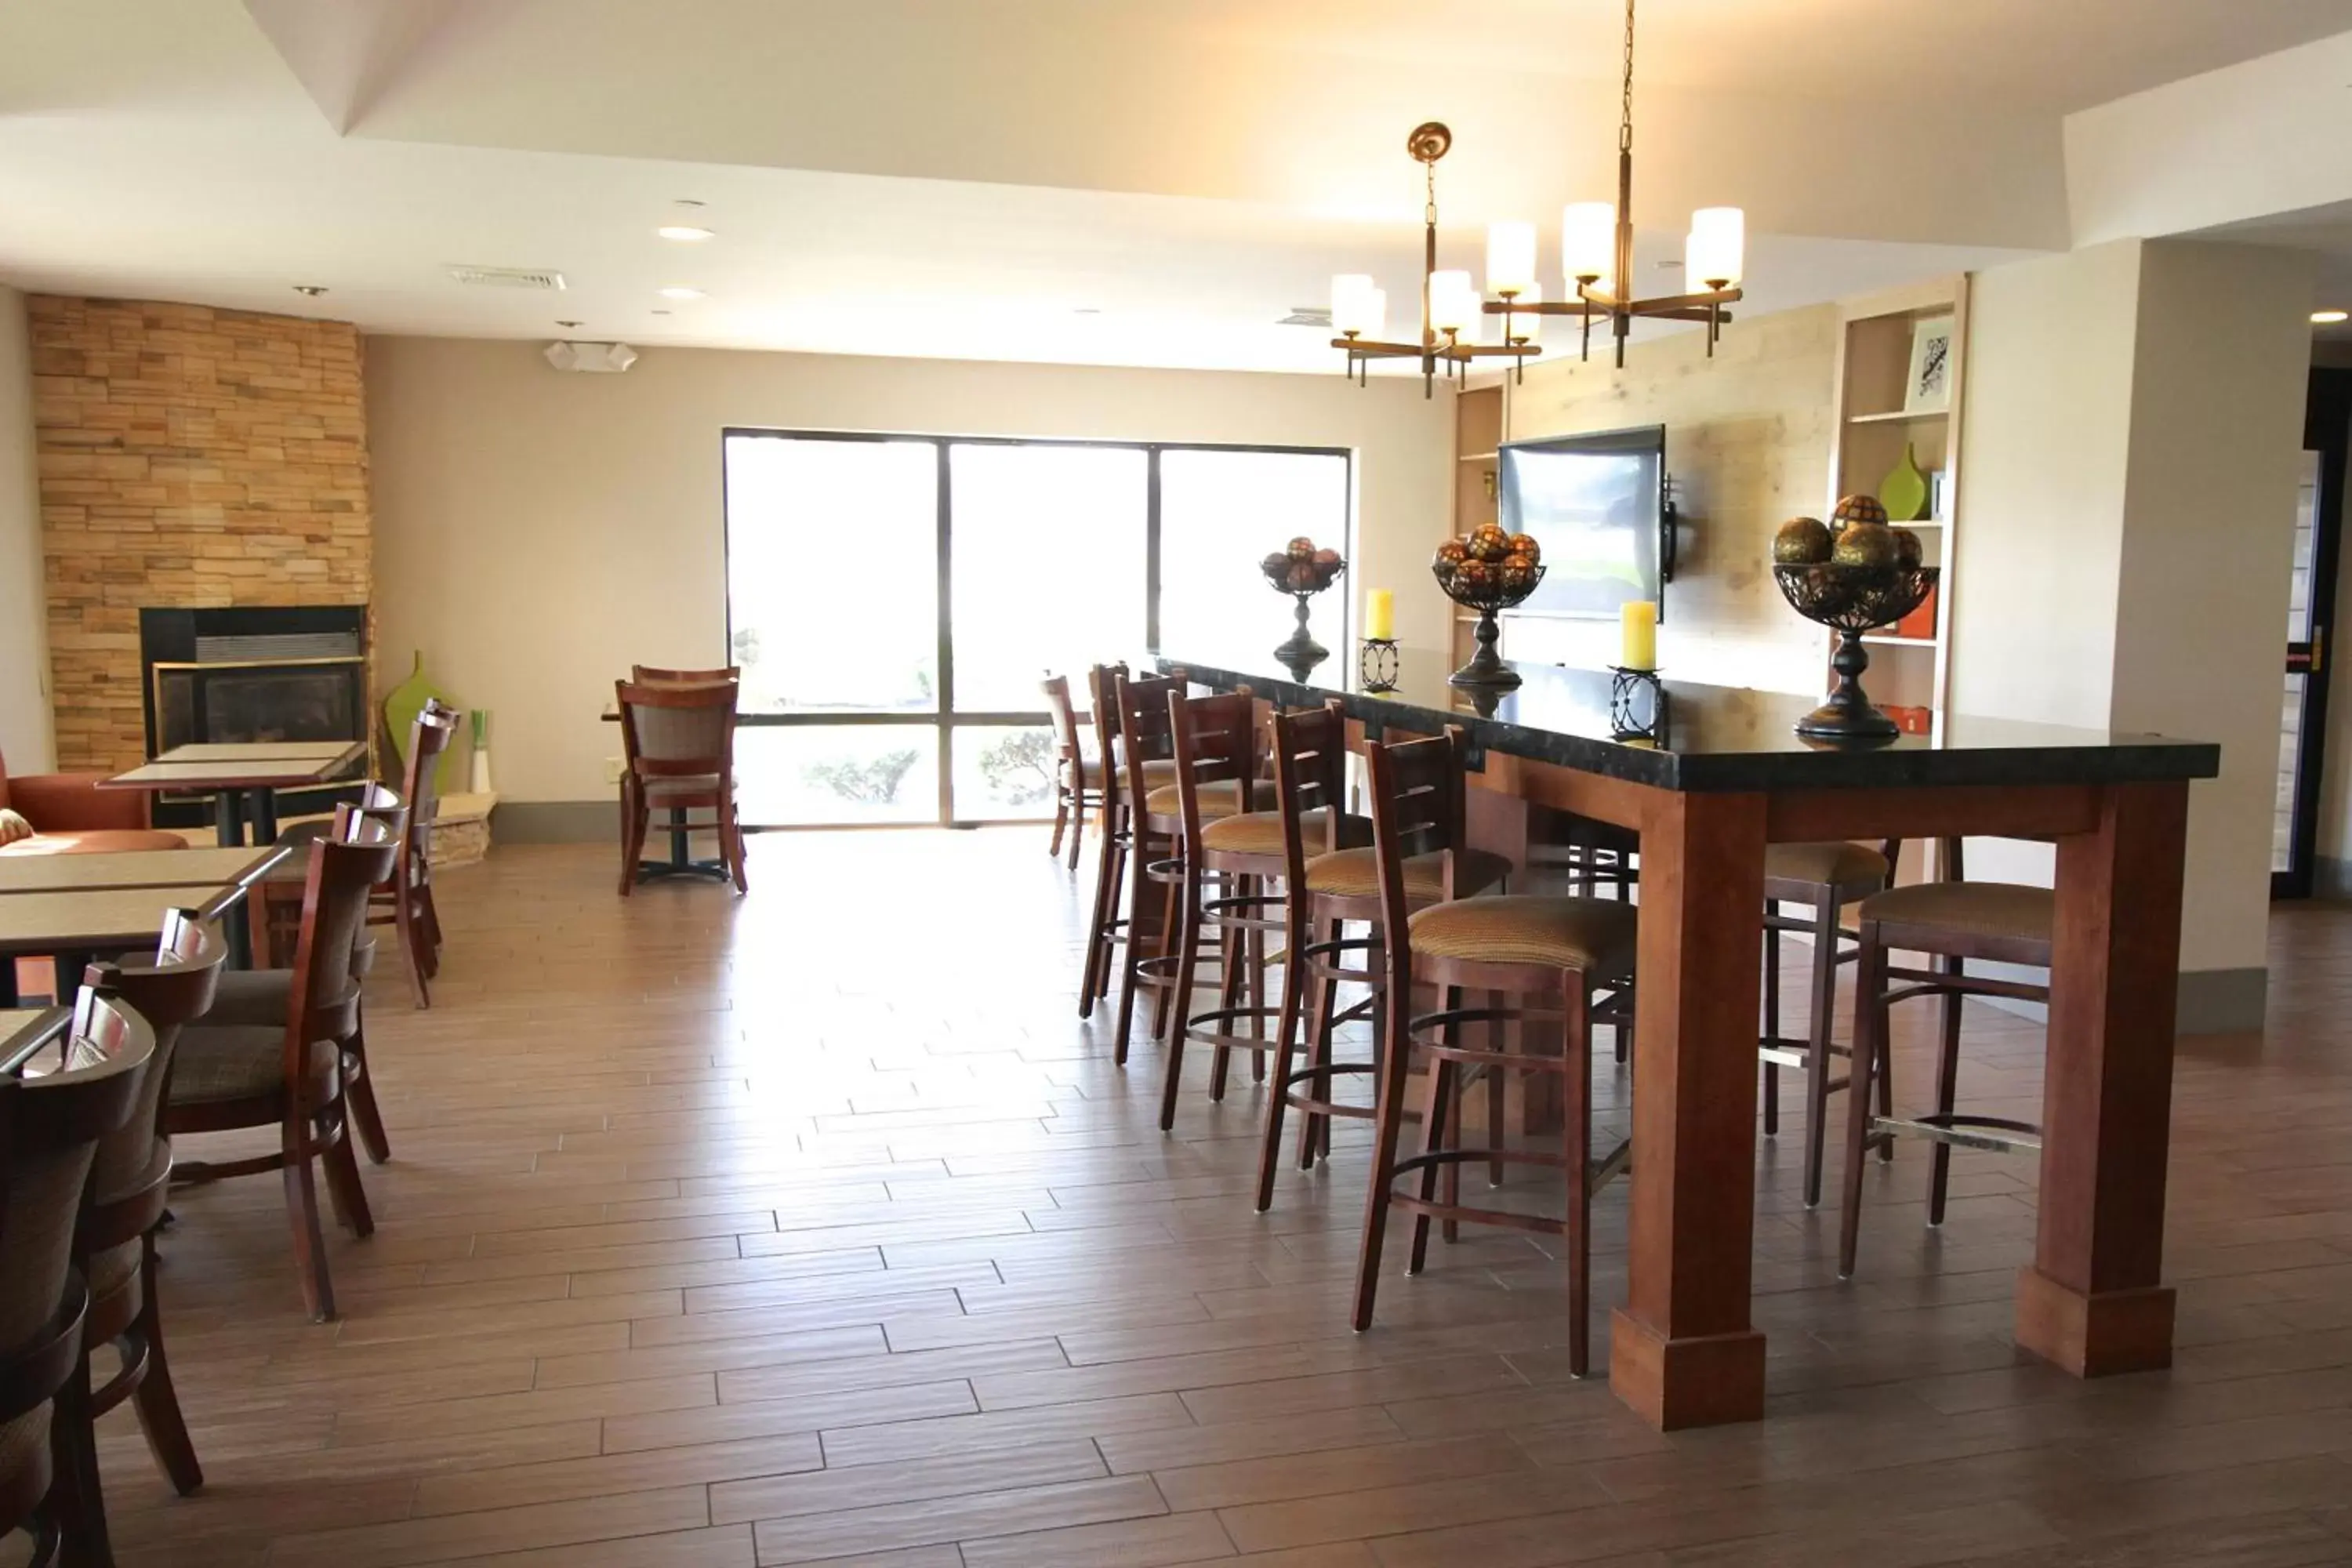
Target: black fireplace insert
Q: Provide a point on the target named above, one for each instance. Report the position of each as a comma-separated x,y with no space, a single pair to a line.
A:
289,673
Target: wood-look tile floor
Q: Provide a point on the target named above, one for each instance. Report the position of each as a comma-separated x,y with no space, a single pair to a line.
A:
815,1227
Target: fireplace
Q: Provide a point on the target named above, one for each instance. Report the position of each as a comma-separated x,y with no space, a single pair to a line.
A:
255,674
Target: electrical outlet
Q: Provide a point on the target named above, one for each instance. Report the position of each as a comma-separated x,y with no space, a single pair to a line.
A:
614,768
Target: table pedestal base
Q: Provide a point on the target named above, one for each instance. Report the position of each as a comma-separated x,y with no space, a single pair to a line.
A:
1673,1383
2095,1335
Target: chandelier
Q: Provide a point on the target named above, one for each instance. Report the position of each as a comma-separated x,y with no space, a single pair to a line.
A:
1450,302
1596,260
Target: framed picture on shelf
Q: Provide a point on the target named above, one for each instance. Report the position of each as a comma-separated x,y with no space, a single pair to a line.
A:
1928,389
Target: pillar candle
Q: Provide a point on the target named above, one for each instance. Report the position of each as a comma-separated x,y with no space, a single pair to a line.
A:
1380,614
1638,626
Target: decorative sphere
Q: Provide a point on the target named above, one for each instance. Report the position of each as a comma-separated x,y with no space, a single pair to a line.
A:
1274,564
1453,553
1865,544
1472,577
1515,562
1490,543
1327,559
1525,544
1856,509
1907,553
1801,542
1303,547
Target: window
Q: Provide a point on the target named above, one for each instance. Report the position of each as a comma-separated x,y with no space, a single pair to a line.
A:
894,601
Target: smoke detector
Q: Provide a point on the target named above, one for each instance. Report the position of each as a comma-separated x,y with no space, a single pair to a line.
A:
605,358
544,278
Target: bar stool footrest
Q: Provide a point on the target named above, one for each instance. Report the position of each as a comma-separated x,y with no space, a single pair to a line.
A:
1964,1132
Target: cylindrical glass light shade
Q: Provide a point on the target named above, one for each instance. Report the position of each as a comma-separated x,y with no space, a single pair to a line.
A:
1714,255
1588,240
1453,302
1510,257
1352,305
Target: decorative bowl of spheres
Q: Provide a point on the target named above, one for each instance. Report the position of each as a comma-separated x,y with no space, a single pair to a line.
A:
1302,571
1488,571
1853,575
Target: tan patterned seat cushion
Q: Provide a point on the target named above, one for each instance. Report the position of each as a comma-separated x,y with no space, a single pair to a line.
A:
218,1062
1355,874
1594,935
661,789
1155,773
1222,798
1839,864
2002,910
24,1443
1260,832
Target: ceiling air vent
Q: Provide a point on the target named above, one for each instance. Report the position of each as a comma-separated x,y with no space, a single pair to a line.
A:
510,277
1306,316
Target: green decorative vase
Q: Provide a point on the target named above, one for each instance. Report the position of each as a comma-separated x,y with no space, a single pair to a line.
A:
1904,492
402,705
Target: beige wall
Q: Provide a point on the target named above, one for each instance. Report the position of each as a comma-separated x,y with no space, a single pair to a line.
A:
2126,518
538,531
1749,437
26,740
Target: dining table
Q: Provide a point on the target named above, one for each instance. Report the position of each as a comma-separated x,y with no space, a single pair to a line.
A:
1707,776
243,778
75,925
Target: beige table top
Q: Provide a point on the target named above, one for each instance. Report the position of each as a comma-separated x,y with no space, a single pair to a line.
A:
22,874
258,772
248,751
100,918
25,1030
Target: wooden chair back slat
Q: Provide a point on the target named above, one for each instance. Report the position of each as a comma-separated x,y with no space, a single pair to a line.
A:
1213,740
1057,688
1310,773
134,1163
325,995
1417,809
653,675
1144,735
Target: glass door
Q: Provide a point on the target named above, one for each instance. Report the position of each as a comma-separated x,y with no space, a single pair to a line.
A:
2311,602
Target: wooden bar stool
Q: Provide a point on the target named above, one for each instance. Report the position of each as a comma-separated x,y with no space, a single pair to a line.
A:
1077,778
1328,855
1162,853
1997,923
1827,877
1106,928
1567,961
1216,748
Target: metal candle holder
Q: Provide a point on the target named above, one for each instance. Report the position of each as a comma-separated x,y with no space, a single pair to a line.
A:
1852,600
1376,664
1489,592
1637,704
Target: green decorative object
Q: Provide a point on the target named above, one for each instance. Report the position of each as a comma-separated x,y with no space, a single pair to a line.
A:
402,705
1905,491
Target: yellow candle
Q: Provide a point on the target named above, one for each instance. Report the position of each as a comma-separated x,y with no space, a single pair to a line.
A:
1638,626
1380,614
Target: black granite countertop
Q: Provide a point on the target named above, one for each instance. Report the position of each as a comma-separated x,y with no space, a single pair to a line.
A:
1717,737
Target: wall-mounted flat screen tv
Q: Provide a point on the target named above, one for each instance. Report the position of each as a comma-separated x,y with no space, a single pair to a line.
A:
1594,504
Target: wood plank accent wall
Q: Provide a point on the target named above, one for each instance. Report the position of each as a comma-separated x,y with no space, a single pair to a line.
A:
1750,438
189,458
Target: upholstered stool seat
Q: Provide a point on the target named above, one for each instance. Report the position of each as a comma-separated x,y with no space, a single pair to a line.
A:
1355,874
1260,832
1840,865
1157,772
1221,797
1595,936
1999,911
217,1064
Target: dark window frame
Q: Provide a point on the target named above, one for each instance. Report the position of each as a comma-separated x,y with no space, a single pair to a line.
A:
942,717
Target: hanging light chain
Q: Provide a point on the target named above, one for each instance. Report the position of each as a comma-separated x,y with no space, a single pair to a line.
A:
1625,122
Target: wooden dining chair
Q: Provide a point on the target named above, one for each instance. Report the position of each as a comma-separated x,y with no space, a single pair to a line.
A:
296,1077
648,674
50,1129
680,746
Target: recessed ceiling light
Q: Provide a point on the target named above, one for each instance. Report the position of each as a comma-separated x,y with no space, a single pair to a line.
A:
687,201
661,312
684,233
679,292
2330,318
312,290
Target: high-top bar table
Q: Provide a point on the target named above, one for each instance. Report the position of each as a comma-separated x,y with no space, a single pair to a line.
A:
1723,775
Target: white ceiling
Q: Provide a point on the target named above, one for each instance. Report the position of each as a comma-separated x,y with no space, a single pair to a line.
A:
965,177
